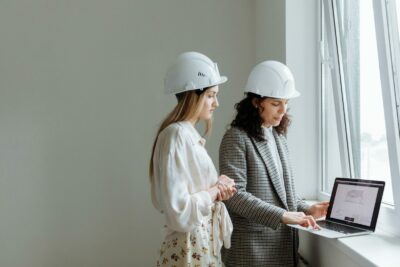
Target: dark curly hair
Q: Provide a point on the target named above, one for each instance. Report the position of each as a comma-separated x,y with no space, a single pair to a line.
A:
249,120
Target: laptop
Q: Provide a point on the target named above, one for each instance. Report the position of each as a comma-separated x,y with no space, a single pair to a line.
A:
353,209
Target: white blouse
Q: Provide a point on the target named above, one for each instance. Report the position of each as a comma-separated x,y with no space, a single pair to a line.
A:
183,171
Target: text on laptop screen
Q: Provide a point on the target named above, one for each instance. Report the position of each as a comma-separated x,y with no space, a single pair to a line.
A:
354,203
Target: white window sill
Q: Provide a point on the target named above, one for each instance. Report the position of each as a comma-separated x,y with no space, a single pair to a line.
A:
376,249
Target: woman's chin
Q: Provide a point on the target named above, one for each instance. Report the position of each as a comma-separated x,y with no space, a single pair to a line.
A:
206,118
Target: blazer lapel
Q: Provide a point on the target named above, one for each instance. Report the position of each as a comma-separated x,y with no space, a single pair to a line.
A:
283,154
265,153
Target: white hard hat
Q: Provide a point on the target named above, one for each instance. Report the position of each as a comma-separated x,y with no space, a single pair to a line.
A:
272,79
192,71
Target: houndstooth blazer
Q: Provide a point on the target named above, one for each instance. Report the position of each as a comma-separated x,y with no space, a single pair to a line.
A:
259,239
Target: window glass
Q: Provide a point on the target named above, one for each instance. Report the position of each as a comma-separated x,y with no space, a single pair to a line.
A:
332,166
362,96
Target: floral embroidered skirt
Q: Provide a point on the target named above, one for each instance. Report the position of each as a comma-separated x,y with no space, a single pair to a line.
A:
191,249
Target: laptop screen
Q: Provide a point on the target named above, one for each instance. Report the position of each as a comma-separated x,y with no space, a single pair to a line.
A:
356,202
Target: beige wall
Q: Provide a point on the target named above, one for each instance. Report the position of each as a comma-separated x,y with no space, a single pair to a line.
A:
287,31
270,30
302,57
80,100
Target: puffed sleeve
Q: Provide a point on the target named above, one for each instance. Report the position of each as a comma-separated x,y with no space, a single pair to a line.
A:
183,210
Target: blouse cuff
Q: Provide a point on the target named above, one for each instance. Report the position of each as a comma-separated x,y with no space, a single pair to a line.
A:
204,202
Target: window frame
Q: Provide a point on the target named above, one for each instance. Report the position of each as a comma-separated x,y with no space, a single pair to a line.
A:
386,27
388,63
335,64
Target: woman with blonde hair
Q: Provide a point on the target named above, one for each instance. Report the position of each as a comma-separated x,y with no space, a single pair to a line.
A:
185,185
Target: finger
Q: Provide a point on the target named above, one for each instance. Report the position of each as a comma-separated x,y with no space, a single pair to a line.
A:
226,183
223,194
304,224
231,187
229,195
233,190
312,222
219,196
227,180
308,224
230,183
229,192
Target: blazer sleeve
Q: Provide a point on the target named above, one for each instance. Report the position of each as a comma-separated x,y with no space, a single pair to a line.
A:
183,210
233,163
302,205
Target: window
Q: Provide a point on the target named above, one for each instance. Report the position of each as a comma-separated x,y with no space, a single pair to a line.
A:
359,62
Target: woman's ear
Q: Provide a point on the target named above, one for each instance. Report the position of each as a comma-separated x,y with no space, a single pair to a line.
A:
255,102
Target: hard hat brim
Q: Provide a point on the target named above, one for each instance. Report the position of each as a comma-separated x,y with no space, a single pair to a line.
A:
277,96
224,79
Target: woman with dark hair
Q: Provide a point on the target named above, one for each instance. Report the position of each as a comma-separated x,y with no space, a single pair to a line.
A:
185,186
254,153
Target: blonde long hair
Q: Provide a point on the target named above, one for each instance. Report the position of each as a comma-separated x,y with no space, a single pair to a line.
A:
189,106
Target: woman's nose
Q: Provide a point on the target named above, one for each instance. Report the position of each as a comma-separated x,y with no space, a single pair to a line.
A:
283,109
216,103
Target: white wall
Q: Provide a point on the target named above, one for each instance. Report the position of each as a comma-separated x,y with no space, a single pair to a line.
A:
287,31
302,58
270,30
80,100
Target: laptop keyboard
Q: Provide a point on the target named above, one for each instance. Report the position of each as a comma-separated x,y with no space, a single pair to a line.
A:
339,227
